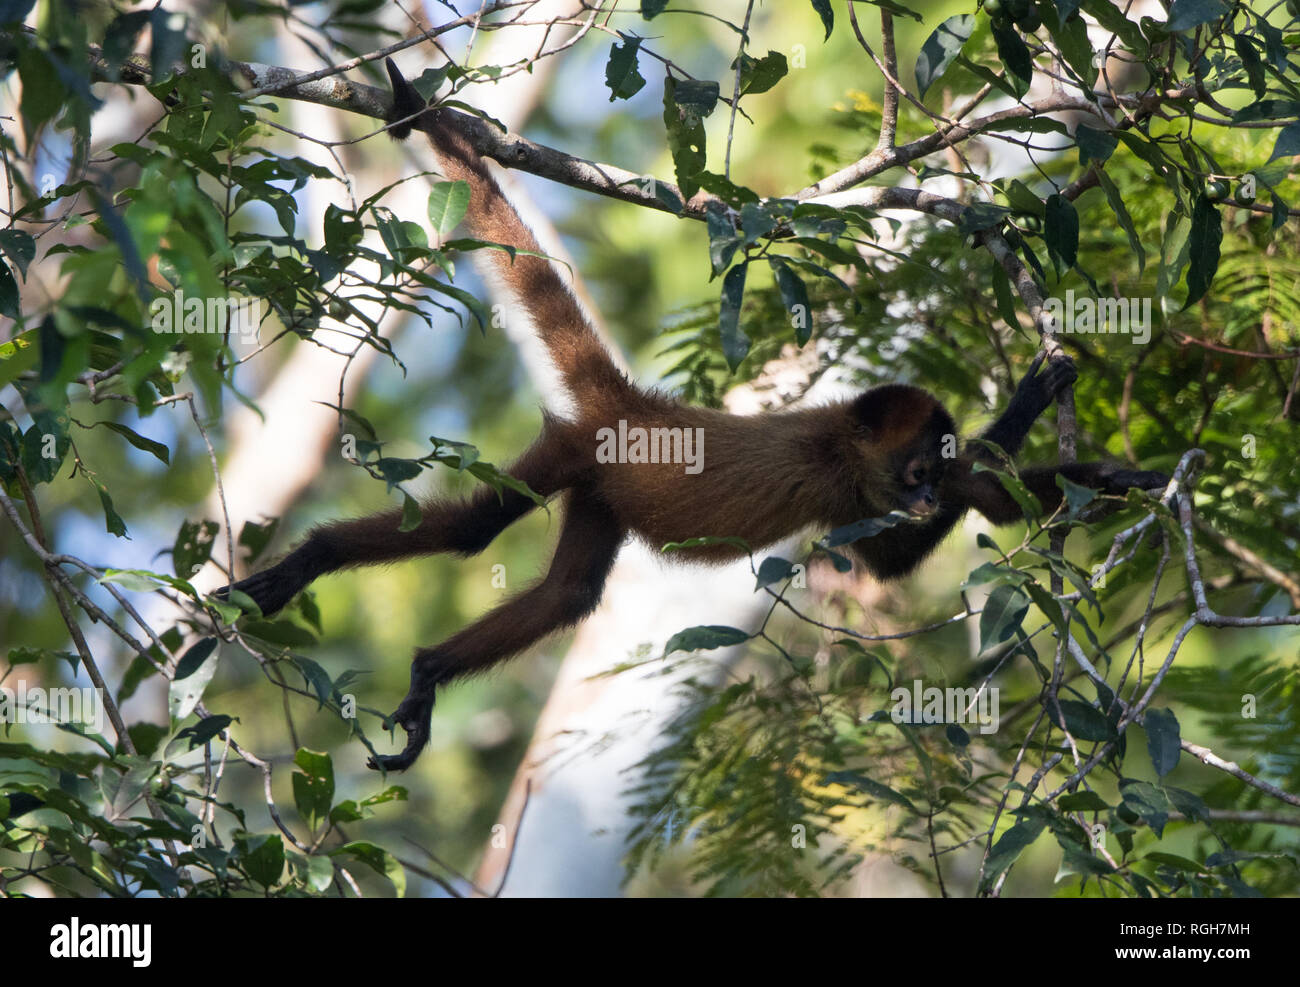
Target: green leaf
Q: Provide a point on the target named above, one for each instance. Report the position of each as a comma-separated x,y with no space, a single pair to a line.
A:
194,658
204,730
1203,249
705,638
412,516
758,75
156,449
263,858
794,296
1287,145
198,666
1084,801
17,355
1061,232
1122,215
395,471
193,547
854,779
377,859
774,569
19,247
1002,615
1163,739
448,203
866,528
1015,55
1009,847
1250,61
941,49
1002,296
1076,48
735,344
313,786
1076,497
622,76
1085,722
823,8
1187,14
113,522
1094,145
686,138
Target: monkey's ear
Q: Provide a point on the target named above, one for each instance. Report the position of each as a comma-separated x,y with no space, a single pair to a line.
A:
872,409
407,102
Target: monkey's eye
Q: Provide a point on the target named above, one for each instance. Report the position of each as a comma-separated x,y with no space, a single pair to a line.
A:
914,475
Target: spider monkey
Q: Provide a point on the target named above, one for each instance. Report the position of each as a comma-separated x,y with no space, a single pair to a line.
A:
765,477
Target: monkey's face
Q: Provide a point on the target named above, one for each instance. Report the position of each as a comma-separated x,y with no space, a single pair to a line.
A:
917,482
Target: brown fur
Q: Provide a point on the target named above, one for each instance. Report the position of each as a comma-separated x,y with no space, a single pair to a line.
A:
763,478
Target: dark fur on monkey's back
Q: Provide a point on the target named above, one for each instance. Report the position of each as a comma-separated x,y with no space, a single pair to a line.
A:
762,478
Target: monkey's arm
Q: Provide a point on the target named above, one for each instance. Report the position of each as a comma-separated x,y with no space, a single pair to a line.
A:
465,527
570,590
985,493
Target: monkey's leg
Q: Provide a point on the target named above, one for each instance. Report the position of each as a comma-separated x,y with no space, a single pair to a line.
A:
570,590
462,526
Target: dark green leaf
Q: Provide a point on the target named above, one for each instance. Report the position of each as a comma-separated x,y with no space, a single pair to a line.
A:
1094,145
1002,615
622,76
1162,739
1061,232
823,8
1187,14
193,547
313,786
1014,54
735,344
705,638
1122,216
941,48
1084,722
794,296
773,570
758,75
1203,249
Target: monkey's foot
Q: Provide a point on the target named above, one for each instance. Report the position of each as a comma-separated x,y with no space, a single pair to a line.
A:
413,717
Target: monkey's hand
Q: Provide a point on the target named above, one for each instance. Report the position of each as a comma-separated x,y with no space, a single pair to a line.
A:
1037,390
413,717
1034,393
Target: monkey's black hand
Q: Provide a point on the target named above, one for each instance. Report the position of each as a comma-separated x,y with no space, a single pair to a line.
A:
1034,393
1037,390
413,717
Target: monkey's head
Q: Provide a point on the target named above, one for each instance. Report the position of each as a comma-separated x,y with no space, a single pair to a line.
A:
902,432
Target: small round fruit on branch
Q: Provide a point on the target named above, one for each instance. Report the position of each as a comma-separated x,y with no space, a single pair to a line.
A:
1216,189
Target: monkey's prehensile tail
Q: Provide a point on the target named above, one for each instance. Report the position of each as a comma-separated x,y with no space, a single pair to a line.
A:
582,360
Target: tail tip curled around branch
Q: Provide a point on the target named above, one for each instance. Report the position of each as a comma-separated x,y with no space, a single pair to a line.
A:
407,102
